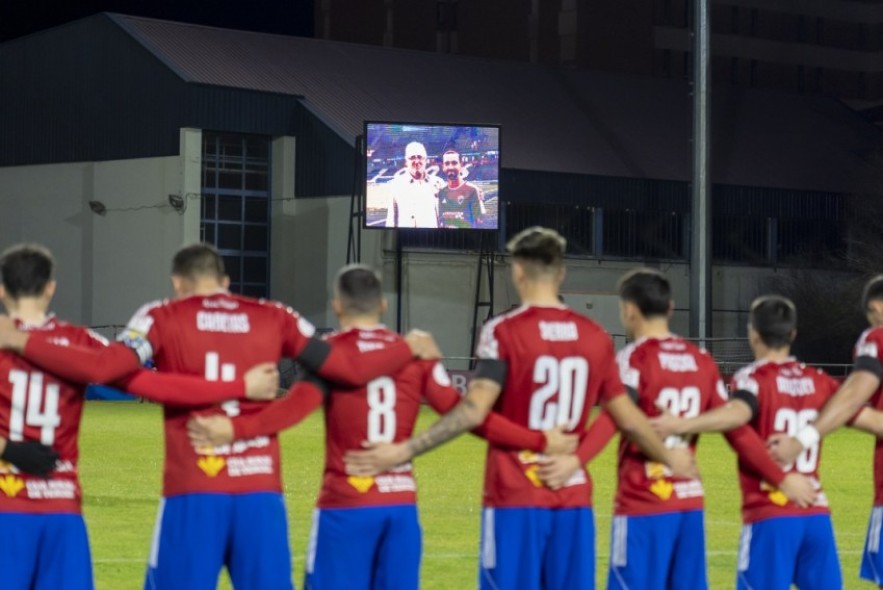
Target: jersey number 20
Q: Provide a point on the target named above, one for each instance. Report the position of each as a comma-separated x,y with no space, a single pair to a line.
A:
568,378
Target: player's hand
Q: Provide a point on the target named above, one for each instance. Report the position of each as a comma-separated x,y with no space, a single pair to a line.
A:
559,442
556,471
210,431
682,463
666,424
375,458
423,345
783,448
30,456
11,338
262,382
799,489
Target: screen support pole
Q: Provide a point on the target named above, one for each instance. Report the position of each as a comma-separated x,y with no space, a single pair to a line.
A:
486,263
700,243
399,287
354,239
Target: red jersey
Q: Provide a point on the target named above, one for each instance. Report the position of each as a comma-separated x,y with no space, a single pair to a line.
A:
788,396
217,337
554,365
384,410
674,374
867,357
36,405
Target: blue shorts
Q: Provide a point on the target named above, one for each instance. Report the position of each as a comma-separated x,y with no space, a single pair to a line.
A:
44,552
658,551
373,548
872,558
547,548
775,553
197,534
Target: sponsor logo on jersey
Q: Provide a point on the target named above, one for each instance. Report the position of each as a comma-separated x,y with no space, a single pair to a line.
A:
227,304
52,489
11,485
211,465
678,363
662,488
558,331
219,321
250,465
360,482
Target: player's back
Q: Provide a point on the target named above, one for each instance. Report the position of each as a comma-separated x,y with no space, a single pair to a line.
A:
676,375
36,405
789,396
217,337
384,410
558,364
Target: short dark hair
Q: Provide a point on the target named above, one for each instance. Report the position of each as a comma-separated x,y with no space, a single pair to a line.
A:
648,289
26,270
359,289
198,260
774,318
540,247
873,291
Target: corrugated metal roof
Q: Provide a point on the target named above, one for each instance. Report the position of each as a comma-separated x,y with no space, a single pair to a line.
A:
554,120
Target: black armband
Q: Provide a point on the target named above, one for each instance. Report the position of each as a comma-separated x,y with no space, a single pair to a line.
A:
314,354
749,398
492,369
869,364
310,377
632,393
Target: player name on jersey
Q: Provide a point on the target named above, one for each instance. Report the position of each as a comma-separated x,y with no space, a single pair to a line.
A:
218,321
558,331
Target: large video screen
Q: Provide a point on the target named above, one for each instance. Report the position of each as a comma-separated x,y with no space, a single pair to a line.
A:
432,176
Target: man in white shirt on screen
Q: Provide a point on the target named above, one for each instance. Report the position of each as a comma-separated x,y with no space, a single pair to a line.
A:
414,196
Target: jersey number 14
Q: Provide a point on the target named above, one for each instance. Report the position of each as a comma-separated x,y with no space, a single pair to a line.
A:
33,405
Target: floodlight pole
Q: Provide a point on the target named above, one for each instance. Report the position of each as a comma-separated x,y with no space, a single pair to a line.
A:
700,243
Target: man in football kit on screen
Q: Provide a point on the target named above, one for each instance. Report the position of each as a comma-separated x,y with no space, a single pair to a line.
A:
366,534
460,203
235,489
782,544
541,365
658,537
45,544
414,195
863,386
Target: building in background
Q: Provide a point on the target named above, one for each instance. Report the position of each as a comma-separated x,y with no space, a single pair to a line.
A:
826,47
180,132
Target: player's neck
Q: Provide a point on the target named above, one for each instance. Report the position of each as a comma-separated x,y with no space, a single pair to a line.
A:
773,355
28,310
207,287
653,328
455,184
361,322
539,293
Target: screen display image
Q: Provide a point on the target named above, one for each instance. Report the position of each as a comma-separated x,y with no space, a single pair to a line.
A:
432,176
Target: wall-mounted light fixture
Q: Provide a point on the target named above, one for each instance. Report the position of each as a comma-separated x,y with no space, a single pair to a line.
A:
178,203
98,207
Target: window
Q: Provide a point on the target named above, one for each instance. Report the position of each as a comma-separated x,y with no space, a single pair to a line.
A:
236,207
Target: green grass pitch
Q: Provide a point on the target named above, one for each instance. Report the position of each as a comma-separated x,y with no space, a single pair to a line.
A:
121,471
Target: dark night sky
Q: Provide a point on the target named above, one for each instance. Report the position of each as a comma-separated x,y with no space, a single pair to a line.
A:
288,17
